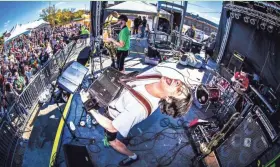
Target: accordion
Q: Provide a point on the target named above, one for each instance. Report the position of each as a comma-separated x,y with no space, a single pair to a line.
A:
106,87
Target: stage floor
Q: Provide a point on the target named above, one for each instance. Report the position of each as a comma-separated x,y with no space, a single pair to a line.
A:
156,148
159,148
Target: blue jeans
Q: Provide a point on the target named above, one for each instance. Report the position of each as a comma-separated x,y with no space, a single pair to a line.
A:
143,31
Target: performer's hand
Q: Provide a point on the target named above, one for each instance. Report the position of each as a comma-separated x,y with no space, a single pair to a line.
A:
93,112
84,96
109,40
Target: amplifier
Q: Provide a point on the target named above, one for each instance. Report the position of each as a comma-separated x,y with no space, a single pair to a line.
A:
267,114
152,52
246,143
196,47
236,62
186,44
106,87
270,123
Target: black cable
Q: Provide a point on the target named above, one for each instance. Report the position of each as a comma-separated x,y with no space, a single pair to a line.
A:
171,158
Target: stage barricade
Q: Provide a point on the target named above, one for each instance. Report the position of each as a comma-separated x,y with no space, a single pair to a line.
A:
12,124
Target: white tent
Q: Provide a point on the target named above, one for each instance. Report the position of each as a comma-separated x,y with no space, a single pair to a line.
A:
36,24
18,30
25,28
136,7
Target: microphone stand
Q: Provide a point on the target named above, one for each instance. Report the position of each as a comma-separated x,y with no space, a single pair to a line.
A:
74,137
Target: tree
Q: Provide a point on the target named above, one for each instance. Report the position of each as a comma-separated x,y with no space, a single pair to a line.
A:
48,14
60,17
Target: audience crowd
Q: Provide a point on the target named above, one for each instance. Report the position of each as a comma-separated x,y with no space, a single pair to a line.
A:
24,55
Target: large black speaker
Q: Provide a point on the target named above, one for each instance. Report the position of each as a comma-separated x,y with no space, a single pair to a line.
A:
244,145
84,55
76,156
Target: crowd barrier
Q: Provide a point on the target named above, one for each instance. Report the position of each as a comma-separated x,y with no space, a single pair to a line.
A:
12,124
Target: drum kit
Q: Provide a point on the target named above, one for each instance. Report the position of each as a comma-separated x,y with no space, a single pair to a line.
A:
217,91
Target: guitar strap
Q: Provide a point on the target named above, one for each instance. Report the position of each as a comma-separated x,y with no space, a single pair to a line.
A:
141,99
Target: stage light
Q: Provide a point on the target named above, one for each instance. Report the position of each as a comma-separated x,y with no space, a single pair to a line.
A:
253,21
246,19
263,25
270,28
232,15
237,15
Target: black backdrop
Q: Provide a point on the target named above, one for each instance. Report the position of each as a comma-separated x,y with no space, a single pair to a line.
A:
256,45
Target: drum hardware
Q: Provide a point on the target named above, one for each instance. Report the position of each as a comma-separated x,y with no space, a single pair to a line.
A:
206,148
204,94
203,132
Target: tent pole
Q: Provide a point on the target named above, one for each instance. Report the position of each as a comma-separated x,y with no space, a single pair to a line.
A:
183,14
157,17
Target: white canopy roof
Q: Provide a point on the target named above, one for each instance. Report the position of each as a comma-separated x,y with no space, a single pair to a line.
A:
137,7
25,28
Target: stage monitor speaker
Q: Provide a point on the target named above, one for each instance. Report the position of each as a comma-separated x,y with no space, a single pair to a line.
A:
244,145
76,156
84,55
106,87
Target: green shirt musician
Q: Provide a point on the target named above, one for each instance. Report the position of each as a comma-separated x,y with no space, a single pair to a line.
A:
123,43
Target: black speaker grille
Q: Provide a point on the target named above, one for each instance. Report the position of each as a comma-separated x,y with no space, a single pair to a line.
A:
245,144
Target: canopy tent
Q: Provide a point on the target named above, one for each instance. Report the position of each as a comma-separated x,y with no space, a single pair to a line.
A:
36,24
136,7
25,29
18,30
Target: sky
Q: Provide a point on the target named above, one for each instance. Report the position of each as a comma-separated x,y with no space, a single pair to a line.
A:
12,13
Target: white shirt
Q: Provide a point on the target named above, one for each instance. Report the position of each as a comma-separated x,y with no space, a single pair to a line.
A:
129,111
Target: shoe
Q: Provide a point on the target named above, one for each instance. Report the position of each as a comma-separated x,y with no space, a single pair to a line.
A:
128,161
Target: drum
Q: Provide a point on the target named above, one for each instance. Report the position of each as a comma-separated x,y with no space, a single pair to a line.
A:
201,94
223,84
205,94
214,94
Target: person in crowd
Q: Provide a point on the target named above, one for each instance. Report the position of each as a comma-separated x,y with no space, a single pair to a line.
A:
191,32
147,30
123,43
143,27
136,25
44,56
85,34
49,49
11,96
19,83
28,73
25,54
173,97
210,45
